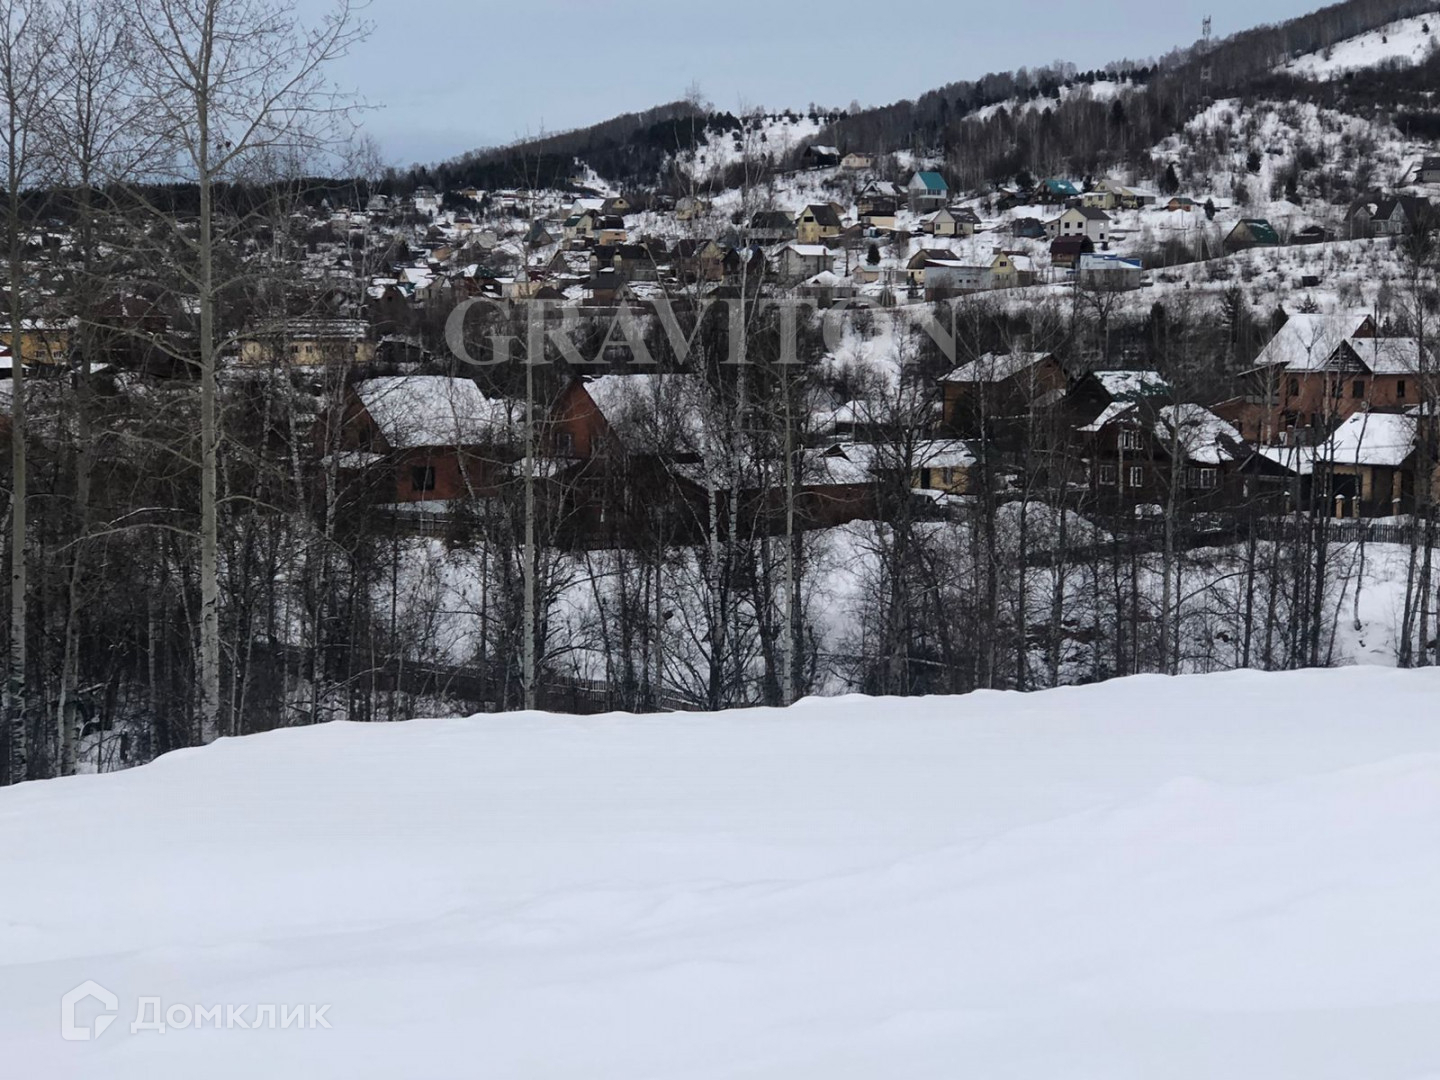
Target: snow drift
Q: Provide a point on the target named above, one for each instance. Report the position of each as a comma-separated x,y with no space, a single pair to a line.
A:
1230,875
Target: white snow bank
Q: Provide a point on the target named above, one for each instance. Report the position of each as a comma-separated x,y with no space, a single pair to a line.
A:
1212,876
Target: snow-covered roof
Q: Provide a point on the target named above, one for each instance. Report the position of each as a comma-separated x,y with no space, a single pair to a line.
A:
1132,385
995,367
1388,356
431,410
1306,342
652,412
1109,413
944,454
1376,439
810,251
1204,438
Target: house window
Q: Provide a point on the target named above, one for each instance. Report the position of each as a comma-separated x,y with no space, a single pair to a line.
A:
564,443
422,478
1294,387
1400,389
1108,475
1357,388
1137,476
1129,440
1205,479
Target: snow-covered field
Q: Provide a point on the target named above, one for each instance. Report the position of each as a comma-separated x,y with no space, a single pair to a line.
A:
1214,876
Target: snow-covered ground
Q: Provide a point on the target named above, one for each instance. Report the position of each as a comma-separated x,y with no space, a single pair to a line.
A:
1211,876
1407,41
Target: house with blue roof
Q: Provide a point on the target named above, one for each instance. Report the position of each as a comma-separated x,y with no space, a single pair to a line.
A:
928,192
1056,191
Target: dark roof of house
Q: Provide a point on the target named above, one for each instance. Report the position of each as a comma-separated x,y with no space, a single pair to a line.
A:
1261,231
824,214
772,219
1092,213
1072,245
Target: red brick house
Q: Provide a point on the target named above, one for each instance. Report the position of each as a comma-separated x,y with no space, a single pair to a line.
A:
437,438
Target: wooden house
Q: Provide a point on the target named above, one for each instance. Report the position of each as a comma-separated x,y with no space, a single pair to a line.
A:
432,437
1000,385
1251,233
927,192
817,223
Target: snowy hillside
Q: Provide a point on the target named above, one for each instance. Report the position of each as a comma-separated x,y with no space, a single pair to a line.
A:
1408,41
1221,876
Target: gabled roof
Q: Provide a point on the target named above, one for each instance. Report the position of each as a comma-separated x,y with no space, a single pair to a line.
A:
1388,356
995,367
1060,187
1376,439
1132,385
652,412
932,181
824,214
1203,437
414,411
1261,231
1307,342
772,219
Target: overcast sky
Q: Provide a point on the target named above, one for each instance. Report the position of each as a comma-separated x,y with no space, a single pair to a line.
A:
453,75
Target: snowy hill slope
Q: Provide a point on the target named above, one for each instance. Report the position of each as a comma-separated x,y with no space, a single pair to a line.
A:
1220,876
1405,42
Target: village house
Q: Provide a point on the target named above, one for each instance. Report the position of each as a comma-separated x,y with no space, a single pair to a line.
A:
1065,253
1080,221
770,227
1053,192
580,228
1087,222
950,221
1093,394
1109,272
796,262
985,391
619,444
1370,466
610,231
821,157
927,192
1139,453
308,342
1319,370
698,261
857,162
1393,215
879,194
817,223
690,207
944,466
423,438
1251,233
42,342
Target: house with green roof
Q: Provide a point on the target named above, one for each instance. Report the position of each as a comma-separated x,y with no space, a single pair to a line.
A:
928,191
1251,233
